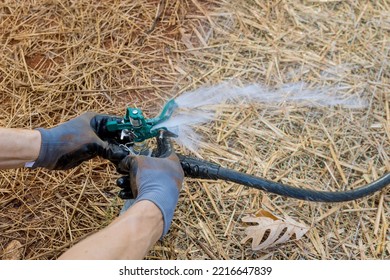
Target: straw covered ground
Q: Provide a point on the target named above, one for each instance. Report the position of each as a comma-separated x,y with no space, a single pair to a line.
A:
61,58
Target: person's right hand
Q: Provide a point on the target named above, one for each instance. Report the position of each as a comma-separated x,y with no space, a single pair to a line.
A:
157,179
82,138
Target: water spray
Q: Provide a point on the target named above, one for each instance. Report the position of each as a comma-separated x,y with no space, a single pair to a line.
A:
135,131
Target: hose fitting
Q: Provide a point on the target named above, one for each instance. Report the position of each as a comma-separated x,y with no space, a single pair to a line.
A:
200,169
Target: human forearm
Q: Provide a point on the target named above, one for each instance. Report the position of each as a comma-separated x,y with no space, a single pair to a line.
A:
130,236
18,146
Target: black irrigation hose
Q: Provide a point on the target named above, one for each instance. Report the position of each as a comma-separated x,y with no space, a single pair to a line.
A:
201,169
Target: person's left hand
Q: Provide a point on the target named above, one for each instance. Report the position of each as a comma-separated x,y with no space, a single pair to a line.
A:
69,144
158,179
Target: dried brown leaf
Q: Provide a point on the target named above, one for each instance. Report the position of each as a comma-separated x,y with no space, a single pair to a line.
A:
13,251
271,230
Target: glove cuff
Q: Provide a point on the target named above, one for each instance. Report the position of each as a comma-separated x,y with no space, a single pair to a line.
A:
166,202
45,149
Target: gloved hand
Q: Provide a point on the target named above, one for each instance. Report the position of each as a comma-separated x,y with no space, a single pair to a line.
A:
82,138
157,179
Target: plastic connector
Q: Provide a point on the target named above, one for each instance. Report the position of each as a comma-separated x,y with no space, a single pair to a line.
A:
200,169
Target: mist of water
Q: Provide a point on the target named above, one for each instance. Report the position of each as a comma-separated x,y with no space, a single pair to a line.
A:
199,106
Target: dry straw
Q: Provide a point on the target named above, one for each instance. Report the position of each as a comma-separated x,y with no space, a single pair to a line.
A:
61,58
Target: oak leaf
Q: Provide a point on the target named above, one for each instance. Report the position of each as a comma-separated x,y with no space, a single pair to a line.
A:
13,251
271,230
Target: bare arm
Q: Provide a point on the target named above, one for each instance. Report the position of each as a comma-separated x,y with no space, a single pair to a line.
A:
130,236
18,146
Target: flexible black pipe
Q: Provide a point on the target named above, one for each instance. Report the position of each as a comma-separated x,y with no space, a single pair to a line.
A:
201,169
304,194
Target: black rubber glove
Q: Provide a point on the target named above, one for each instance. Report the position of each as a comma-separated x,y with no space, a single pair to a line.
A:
69,144
157,179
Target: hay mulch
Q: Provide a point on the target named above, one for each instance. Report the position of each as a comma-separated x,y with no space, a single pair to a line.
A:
59,59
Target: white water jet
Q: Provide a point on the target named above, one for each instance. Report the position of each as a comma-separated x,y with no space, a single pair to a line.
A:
196,107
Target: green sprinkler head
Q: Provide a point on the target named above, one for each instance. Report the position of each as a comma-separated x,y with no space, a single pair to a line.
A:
137,128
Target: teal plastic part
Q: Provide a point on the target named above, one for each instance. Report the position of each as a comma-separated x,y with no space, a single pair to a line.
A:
138,126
